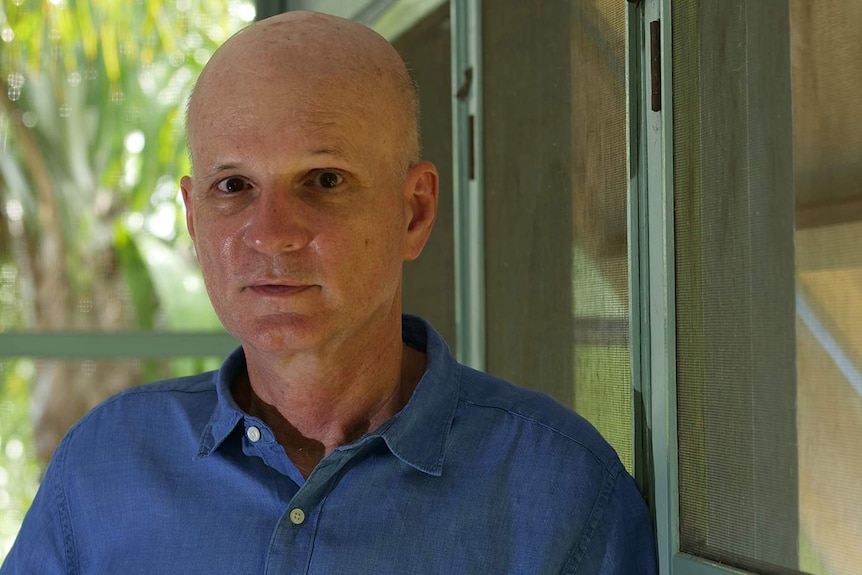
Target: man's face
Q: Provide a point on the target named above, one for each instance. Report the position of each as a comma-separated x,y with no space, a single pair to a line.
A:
299,211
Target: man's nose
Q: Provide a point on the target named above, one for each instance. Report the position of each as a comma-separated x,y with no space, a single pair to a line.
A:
277,223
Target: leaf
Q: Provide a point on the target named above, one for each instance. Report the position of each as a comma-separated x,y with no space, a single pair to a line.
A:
179,286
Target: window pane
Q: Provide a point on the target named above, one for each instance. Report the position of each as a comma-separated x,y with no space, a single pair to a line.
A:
768,173
555,197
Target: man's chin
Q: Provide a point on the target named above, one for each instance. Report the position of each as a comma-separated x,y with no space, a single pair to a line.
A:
284,333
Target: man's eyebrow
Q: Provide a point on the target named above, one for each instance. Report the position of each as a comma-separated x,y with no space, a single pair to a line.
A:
230,166
220,168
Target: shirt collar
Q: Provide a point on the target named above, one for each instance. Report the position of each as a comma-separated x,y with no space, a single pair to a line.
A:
227,413
416,435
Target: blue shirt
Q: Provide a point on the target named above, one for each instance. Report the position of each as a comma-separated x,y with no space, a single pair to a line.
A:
473,476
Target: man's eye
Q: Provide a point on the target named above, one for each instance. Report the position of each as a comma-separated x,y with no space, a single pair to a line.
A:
328,179
232,185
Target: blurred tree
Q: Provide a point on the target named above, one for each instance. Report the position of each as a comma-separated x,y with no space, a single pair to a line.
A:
92,96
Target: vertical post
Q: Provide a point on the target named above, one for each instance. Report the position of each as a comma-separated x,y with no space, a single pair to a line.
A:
638,242
467,185
657,290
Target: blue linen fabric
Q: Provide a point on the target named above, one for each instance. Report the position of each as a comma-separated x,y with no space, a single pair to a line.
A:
473,476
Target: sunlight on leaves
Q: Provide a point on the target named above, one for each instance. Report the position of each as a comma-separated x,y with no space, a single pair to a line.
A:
92,146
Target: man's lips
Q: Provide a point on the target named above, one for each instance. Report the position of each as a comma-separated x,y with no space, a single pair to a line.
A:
277,287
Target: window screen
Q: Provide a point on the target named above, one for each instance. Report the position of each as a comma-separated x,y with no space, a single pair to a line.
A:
767,182
429,281
555,200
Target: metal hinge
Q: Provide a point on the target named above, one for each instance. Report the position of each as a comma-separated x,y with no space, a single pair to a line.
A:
655,65
464,88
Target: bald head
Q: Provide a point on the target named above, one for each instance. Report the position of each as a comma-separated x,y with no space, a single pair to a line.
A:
324,62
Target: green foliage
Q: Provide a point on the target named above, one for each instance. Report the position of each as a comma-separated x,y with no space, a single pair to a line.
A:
136,276
19,471
92,146
91,120
810,559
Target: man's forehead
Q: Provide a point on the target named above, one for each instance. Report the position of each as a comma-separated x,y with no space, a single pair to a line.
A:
276,88
245,134
264,85
215,163
336,124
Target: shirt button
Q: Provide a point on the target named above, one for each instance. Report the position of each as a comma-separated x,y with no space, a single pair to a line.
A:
297,516
253,433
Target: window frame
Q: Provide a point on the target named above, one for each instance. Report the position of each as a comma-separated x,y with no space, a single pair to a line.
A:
123,344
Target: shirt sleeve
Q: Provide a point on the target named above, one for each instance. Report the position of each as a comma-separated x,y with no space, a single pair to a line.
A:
44,544
623,540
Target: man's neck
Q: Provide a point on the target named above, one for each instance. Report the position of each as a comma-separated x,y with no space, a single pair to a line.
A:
316,402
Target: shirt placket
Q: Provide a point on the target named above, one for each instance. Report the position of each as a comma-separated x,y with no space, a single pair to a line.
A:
292,545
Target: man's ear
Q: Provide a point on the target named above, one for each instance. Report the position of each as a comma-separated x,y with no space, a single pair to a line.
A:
420,193
186,187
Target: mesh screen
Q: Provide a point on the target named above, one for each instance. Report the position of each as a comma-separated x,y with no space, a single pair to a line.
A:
767,176
429,281
599,192
555,187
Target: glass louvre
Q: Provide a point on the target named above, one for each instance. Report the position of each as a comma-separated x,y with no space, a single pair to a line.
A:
429,281
767,179
555,197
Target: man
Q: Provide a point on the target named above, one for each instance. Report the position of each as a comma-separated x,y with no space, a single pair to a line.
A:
341,437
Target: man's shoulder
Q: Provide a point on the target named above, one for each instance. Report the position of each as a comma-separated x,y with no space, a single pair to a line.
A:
552,425
186,401
198,387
